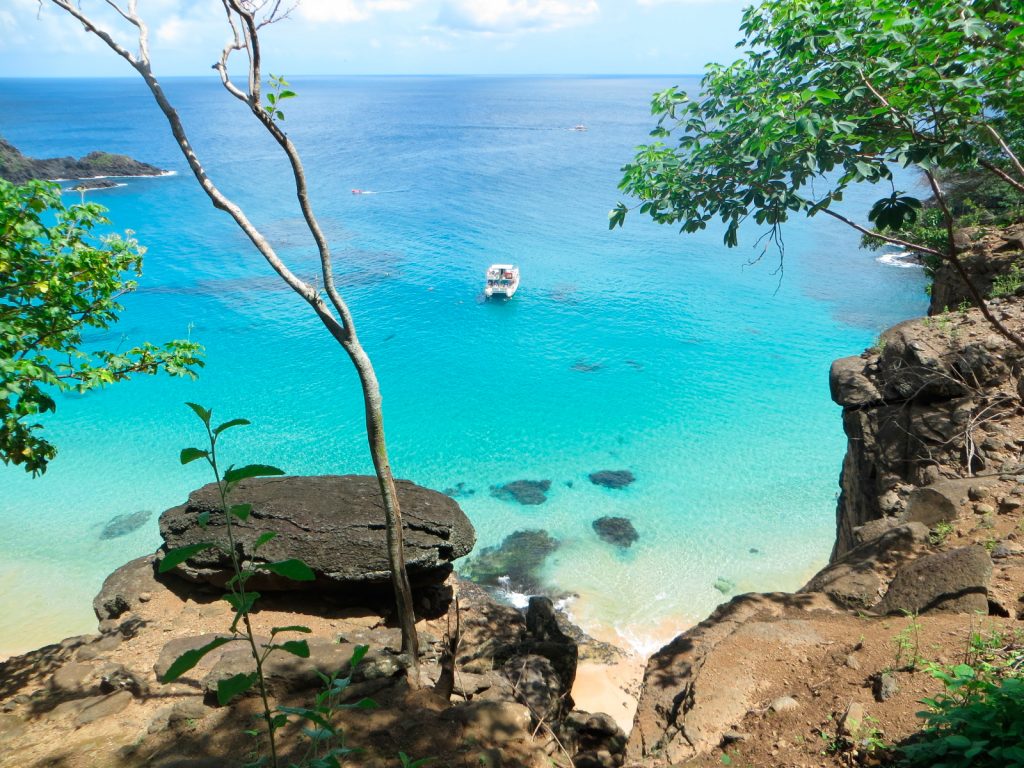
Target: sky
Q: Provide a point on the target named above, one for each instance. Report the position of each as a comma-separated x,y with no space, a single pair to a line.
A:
339,37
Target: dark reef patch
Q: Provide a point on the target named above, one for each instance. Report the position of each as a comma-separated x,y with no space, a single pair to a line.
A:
612,478
122,525
518,559
616,530
529,492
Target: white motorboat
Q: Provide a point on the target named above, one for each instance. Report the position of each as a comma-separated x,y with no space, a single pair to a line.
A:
502,280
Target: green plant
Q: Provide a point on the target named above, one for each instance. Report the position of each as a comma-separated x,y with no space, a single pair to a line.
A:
1008,283
408,762
908,645
977,720
59,279
325,740
940,533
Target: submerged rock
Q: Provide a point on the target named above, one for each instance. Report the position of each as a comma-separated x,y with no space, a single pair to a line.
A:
583,366
518,559
616,530
122,525
529,492
724,585
612,478
459,491
335,524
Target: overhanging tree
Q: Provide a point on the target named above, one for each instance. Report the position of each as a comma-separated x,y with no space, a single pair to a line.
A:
59,279
245,19
830,93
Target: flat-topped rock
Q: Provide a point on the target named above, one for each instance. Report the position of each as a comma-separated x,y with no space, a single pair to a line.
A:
335,524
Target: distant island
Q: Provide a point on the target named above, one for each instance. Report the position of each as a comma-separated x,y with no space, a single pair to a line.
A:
94,169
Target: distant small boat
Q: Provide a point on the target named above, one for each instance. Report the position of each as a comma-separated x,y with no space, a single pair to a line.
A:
579,127
502,280
357,192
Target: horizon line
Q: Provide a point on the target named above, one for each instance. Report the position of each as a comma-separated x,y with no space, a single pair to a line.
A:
377,75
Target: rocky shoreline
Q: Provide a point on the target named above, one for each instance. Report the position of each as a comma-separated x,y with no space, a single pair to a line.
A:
94,171
929,551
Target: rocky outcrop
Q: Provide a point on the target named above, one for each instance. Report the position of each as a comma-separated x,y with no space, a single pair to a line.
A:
932,482
859,579
694,689
955,582
17,168
936,400
335,524
986,254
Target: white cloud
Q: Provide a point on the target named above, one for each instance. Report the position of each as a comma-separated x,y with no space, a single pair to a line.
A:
515,15
349,11
173,30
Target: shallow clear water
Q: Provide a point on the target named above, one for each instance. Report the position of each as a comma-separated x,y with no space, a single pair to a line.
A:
706,376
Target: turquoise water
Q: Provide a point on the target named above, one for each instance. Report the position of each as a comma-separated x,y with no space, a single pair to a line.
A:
706,376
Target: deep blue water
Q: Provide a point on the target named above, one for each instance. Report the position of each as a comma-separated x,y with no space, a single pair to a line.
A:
706,376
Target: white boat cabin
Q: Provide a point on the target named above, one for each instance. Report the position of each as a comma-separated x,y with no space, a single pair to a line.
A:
502,280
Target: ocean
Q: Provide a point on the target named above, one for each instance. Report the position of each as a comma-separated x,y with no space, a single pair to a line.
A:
701,370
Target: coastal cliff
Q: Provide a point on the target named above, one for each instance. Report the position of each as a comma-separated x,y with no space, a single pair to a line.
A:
17,168
929,525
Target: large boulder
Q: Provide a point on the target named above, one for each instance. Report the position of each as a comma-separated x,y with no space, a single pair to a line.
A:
858,579
335,524
951,582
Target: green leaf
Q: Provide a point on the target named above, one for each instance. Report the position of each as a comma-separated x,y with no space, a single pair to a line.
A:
202,413
179,555
358,654
263,539
233,475
241,511
291,628
188,455
242,604
229,424
234,686
298,648
189,659
286,95
203,519
293,569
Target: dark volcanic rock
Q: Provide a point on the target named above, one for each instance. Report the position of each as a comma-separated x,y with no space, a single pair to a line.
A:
951,582
125,524
612,478
518,559
121,589
524,491
17,168
335,524
616,530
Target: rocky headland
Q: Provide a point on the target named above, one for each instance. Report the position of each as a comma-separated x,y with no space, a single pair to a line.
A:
94,170
929,552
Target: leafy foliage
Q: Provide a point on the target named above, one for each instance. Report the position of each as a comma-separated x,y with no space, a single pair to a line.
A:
830,93
325,740
59,279
978,719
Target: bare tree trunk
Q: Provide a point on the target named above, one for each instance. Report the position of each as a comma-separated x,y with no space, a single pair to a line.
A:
241,17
